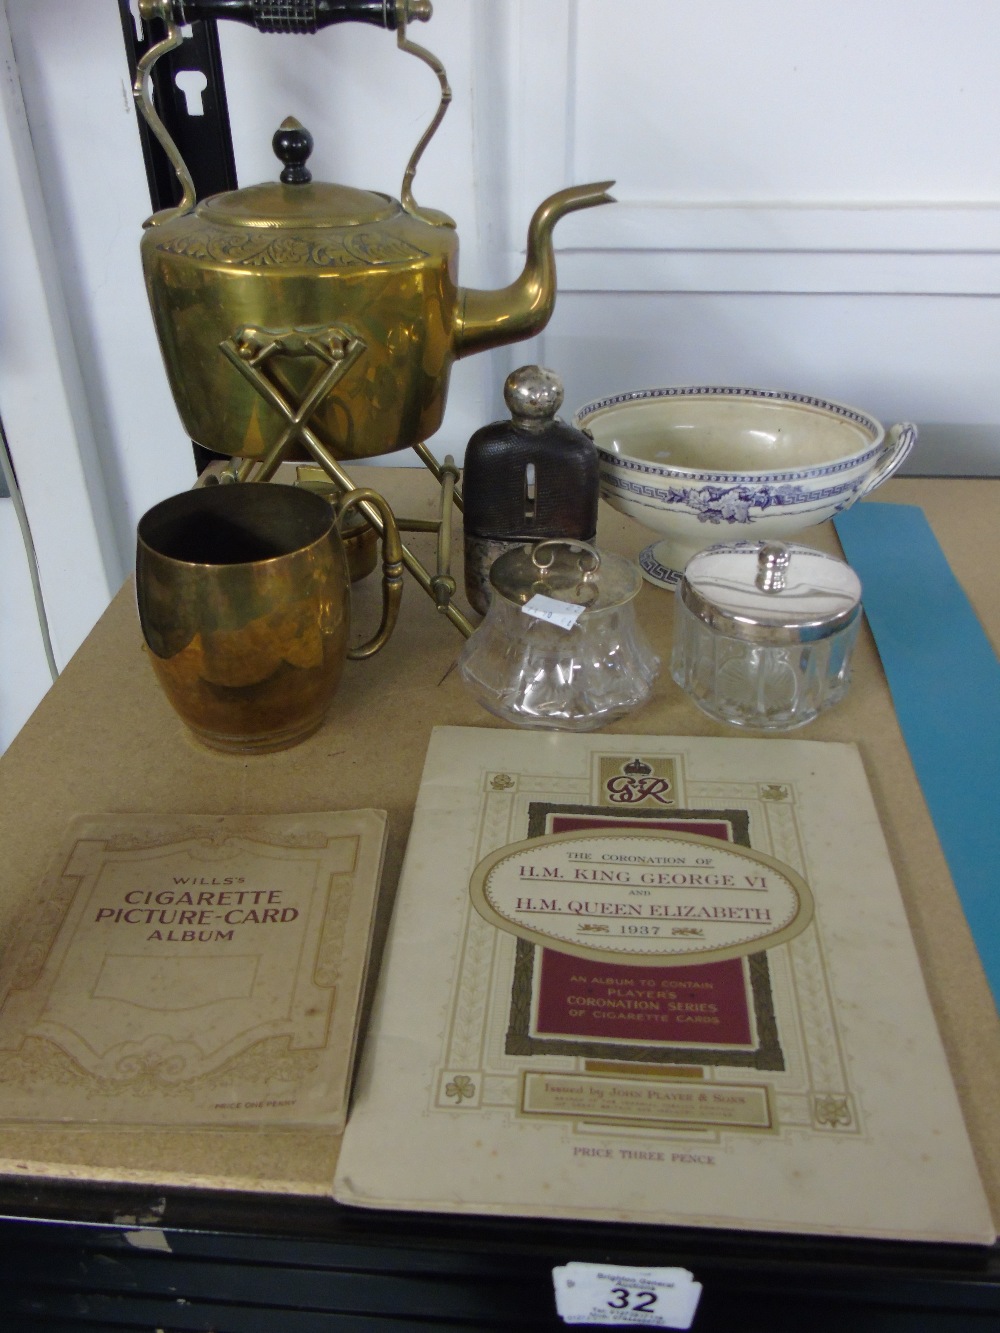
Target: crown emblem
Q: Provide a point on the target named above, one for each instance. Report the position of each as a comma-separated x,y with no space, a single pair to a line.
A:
637,768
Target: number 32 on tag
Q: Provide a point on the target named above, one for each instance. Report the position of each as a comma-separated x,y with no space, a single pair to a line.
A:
625,1297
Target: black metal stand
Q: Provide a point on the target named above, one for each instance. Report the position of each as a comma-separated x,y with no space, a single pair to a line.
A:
205,140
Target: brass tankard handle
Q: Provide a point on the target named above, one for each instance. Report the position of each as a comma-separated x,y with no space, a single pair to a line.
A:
392,566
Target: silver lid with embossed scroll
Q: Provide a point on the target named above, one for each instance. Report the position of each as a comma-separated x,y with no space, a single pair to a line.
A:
771,592
569,570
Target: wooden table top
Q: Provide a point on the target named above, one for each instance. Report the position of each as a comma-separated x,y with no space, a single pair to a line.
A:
105,740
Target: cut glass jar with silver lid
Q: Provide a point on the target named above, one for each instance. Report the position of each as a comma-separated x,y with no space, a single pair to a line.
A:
763,633
587,666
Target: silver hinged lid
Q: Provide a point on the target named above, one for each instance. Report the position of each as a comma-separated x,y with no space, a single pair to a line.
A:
568,570
771,592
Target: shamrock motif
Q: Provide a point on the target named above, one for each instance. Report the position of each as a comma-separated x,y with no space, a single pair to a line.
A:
460,1087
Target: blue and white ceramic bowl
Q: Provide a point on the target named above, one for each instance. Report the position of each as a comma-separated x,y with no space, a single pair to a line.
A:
702,465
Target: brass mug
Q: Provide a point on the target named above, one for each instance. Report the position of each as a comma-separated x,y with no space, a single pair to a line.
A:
244,600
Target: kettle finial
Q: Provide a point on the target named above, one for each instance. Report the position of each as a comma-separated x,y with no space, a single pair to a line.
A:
292,144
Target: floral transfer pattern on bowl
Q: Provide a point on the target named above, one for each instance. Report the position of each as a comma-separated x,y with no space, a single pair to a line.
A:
724,504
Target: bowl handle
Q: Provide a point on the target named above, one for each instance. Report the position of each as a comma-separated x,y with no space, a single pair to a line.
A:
899,441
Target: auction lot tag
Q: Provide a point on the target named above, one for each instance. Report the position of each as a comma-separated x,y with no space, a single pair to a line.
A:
551,609
625,1297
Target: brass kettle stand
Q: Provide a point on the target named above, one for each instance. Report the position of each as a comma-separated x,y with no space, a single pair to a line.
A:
250,351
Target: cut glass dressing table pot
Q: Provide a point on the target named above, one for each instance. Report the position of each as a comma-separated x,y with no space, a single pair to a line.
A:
763,633
299,319
578,662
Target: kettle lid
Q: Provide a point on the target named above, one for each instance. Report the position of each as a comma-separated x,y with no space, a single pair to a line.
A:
296,200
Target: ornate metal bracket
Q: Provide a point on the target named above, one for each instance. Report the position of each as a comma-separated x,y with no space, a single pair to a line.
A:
250,351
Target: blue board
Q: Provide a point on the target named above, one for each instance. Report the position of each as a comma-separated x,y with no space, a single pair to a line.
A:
945,681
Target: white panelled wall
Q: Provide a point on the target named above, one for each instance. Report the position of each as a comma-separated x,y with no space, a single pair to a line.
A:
809,198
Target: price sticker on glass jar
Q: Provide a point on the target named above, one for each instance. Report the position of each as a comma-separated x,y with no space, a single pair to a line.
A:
553,611
625,1297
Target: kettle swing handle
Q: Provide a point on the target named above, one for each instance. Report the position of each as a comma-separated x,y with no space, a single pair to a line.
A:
392,566
284,16
148,10
300,16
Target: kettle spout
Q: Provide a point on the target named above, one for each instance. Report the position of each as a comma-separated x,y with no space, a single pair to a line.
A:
491,319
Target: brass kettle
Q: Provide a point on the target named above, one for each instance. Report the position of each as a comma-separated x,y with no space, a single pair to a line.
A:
342,304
